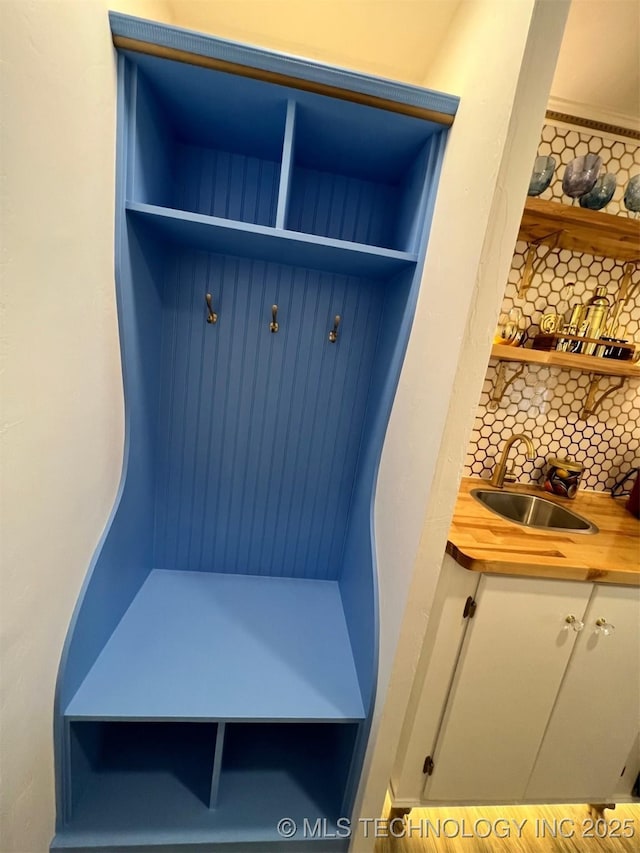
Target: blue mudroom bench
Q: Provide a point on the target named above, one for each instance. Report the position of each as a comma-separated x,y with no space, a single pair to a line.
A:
219,671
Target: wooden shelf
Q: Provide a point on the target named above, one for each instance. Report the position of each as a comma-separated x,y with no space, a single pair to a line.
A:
213,234
582,230
566,361
205,646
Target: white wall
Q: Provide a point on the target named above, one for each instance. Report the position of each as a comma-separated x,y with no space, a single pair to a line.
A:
390,38
501,63
62,419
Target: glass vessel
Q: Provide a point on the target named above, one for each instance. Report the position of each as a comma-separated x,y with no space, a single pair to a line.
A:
511,329
601,194
581,175
543,169
632,195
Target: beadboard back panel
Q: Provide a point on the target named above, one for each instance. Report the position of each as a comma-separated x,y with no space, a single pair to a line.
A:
260,431
346,208
226,184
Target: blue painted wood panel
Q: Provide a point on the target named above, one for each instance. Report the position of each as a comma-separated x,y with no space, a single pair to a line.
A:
215,110
287,165
345,208
358,581
228,647
82,842
259,432
124,556
226,184
401,295
148,784
236,578
151,152
269,244
184,751
357,141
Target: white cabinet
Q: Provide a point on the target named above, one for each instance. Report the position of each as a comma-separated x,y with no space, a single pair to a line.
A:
512,662
513,704
596,716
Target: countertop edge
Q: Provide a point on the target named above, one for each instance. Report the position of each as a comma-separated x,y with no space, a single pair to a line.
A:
538,570
563,569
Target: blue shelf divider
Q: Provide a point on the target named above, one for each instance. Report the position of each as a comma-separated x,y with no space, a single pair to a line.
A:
220,668
287,166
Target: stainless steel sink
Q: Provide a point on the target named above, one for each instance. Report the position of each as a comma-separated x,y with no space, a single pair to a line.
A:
532,511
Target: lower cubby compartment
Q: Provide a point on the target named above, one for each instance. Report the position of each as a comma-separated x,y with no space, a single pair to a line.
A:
129,776
276,770
138,784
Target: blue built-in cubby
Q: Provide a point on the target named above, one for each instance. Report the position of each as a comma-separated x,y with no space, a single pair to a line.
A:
219,672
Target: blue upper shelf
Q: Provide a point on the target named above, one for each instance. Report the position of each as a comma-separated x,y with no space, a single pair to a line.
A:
204,646
215,234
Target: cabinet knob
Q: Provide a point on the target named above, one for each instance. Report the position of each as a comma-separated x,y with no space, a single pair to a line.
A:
604,627
576,624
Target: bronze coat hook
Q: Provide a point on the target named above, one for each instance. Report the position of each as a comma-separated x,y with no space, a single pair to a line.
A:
212,317
333,334
273,326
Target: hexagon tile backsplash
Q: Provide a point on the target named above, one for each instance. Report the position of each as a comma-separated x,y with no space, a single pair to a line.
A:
620,157
546,402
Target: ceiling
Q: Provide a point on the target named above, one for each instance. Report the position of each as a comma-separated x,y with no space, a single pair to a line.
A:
598,72
599,62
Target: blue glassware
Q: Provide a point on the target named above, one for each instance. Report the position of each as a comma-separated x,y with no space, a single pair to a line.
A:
581,175
601,194
632,195
543,169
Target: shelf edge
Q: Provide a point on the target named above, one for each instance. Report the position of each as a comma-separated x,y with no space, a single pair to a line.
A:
582,230
170,214
565,361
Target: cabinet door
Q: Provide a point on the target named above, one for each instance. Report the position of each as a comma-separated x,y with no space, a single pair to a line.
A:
511,666
434,676
596,717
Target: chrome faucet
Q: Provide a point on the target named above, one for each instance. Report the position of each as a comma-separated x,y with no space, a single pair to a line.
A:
500,473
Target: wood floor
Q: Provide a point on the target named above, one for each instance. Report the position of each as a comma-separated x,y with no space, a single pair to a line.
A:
516,829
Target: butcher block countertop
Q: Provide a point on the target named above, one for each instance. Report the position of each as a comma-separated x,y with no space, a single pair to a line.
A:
482,541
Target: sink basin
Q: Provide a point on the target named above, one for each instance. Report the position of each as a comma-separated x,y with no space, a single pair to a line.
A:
532,511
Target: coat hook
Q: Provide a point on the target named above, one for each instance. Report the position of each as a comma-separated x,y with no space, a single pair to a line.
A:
274,319
333,334
212,317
